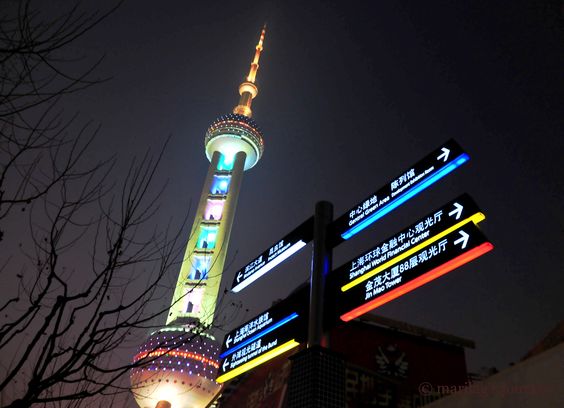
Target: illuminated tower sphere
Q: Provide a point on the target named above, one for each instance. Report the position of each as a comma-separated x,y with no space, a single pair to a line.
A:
185,362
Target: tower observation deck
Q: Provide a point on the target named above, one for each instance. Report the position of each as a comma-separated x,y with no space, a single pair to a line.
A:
182,357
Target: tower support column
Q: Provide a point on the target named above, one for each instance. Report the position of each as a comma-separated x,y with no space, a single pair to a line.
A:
185,378
228,215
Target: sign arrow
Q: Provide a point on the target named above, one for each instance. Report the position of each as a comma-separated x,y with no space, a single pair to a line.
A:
463,239
444,154
274,255
225,363
457,211
229,339
470,244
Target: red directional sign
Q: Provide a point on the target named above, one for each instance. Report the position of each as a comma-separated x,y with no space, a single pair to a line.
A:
440,257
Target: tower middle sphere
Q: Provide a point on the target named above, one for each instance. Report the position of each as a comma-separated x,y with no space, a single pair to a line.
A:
233,133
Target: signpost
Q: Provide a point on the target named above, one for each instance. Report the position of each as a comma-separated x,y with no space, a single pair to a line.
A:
273,256
456,248
438,243
271,333
409,183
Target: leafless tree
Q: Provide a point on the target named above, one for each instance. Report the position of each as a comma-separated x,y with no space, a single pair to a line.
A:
36,151
67,314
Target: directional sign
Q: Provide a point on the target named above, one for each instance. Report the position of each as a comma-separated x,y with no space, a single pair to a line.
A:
436,259
394,249
273,256
271,333
424,173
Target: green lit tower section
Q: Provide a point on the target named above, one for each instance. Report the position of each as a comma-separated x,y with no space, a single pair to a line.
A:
182,359
233,144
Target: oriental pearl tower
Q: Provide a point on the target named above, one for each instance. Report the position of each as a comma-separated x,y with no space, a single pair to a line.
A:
182,357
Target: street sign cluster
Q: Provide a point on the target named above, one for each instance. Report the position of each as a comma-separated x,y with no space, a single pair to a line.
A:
434,245
271,333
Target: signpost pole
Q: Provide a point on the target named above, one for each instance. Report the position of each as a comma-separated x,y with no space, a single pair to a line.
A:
317,378
320,267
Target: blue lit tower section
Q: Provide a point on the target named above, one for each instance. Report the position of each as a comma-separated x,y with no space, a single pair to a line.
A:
184,375
233,144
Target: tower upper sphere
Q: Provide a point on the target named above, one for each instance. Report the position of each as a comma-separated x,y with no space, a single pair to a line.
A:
234,133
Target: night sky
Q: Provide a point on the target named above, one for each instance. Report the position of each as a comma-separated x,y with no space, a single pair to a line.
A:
351,94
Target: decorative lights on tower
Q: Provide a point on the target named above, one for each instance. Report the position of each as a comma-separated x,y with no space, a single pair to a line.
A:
178,363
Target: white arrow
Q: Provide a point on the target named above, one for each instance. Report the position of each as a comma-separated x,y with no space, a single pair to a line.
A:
444,154
464,239
229,339
457,210
225,363
239,276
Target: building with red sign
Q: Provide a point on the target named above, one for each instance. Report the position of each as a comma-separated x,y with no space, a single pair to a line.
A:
388,362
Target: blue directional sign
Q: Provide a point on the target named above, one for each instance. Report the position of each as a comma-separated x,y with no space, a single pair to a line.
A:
274,255
409,183
271,333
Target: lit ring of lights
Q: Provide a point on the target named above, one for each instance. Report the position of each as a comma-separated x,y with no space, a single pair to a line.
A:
234,133
177,365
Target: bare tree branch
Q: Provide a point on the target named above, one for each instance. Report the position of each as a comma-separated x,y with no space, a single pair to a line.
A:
89,238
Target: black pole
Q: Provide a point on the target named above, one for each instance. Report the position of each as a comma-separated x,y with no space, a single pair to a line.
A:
320,266
317,379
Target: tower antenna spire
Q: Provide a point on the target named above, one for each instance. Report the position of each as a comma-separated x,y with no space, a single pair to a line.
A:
248,90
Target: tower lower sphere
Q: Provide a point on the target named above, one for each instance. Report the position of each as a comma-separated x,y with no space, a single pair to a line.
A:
181,368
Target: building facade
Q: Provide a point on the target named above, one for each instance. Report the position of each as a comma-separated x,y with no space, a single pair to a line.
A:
388,363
